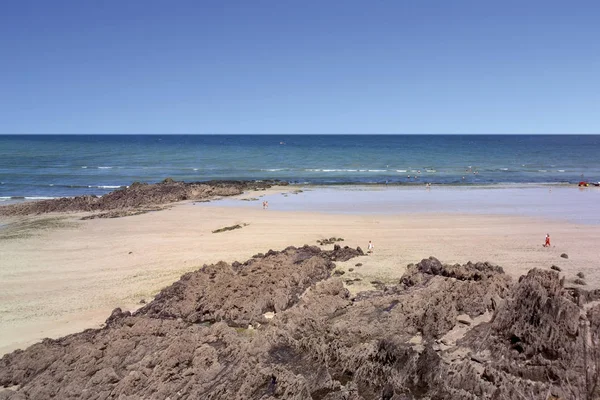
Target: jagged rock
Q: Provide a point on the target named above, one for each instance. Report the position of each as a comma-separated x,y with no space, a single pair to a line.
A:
137,198
564,255
324,344
431,267
344,253
332,240
243,294
556,268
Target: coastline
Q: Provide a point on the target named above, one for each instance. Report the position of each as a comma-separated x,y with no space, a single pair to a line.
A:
551,202
65,278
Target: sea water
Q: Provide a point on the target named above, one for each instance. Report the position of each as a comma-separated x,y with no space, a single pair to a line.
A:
43,166
574,204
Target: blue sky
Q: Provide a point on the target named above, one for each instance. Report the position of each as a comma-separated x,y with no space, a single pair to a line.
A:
149,66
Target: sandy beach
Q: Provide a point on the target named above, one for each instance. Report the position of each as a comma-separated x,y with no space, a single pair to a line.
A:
60,275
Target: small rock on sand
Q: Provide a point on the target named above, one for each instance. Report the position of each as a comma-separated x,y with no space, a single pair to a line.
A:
564,255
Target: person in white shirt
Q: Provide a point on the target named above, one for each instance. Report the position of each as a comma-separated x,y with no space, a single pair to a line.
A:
370,247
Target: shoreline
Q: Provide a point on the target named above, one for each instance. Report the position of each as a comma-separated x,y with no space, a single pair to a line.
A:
559,203
6,200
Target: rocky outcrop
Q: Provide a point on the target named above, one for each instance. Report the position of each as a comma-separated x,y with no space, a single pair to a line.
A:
240,294
139,195
443,332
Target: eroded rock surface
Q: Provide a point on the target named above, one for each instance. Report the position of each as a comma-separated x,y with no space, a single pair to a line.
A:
443,332
138,195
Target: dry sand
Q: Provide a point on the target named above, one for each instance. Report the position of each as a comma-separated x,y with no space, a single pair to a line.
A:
62,275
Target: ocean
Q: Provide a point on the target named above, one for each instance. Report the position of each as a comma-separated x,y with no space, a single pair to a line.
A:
46,166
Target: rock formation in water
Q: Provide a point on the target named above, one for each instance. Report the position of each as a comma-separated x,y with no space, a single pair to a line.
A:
442,332
139,195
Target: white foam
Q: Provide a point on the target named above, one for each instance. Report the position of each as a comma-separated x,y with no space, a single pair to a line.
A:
400,170
377,170
504,169
272,169
84,167
107,187
561,170
104,167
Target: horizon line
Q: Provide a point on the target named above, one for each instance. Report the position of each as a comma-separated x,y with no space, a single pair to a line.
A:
301,134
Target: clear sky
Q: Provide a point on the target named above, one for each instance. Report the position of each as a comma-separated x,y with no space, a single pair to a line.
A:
282,66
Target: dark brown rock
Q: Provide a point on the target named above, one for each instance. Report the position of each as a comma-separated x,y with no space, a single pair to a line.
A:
137,198
192,341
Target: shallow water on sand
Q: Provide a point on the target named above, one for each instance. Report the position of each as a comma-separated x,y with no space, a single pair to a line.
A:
579,205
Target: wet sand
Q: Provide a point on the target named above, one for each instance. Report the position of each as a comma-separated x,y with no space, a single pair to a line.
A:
60,278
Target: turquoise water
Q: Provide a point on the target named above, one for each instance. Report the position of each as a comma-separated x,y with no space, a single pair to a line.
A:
66,165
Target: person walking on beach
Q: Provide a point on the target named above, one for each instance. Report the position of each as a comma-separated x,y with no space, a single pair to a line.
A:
547,242
264,205
370,247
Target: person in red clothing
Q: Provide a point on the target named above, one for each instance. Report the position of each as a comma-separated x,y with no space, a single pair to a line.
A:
547,243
